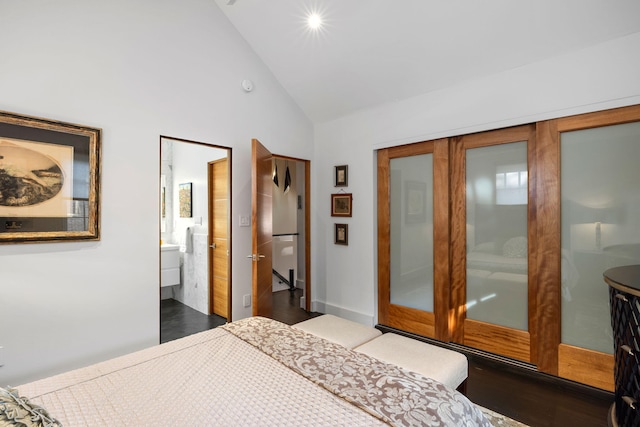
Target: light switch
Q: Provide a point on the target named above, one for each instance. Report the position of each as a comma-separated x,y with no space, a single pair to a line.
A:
245,221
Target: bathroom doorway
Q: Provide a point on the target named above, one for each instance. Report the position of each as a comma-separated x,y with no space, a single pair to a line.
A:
195,212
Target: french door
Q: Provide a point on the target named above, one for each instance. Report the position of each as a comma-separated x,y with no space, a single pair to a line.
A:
446,210
490,241
413,237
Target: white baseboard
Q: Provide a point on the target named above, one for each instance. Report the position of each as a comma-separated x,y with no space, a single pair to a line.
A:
321,307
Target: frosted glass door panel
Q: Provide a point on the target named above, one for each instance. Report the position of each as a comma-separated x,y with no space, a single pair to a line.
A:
600,196
497,251
411,211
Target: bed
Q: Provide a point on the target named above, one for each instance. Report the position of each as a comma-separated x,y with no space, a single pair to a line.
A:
254,371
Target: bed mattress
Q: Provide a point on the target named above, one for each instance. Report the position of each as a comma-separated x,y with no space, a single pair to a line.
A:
253,372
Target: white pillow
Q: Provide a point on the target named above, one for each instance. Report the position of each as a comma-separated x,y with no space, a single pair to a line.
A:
516,247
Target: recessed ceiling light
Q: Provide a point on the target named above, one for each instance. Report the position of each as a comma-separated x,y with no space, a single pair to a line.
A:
314,21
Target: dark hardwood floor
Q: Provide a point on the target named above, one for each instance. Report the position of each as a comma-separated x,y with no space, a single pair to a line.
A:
178,320
532,398
286,307
535,399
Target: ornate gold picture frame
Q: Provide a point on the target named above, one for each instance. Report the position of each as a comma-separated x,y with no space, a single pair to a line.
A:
49,180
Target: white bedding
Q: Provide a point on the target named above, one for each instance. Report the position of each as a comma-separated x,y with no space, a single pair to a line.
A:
496,263
248,373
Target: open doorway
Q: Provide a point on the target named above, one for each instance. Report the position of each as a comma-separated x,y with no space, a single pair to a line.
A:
280,180
288,261
195,235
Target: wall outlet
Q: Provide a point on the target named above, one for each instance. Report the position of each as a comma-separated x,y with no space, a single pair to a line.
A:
246,300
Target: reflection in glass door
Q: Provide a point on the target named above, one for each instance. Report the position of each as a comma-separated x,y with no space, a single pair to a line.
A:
413,235
600,226
490,236
411,183
496,218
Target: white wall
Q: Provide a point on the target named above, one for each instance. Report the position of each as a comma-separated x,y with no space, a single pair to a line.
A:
190,166
137,70
600,77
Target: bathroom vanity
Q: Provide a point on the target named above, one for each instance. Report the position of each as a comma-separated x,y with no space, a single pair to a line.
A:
169,265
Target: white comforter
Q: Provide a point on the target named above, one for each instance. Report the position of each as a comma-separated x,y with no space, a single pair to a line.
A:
248,373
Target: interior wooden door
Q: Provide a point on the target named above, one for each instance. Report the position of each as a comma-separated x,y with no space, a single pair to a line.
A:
261,229
219,240
413,234
590,203
493,276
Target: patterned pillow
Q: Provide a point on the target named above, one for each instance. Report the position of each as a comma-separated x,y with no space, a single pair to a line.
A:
516,247
18,411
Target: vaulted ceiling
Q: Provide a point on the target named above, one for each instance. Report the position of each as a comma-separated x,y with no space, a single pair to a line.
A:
371,52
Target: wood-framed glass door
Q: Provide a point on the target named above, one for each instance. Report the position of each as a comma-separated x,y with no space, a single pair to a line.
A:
492,286
413,234
592,208
525,221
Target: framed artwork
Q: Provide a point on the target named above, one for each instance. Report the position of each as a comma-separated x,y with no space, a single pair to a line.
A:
341,178
49,180
341,234
341,204
415,205
184,199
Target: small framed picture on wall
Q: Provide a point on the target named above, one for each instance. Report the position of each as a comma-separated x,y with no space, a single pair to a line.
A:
341,204
184,197
341,178
341,234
